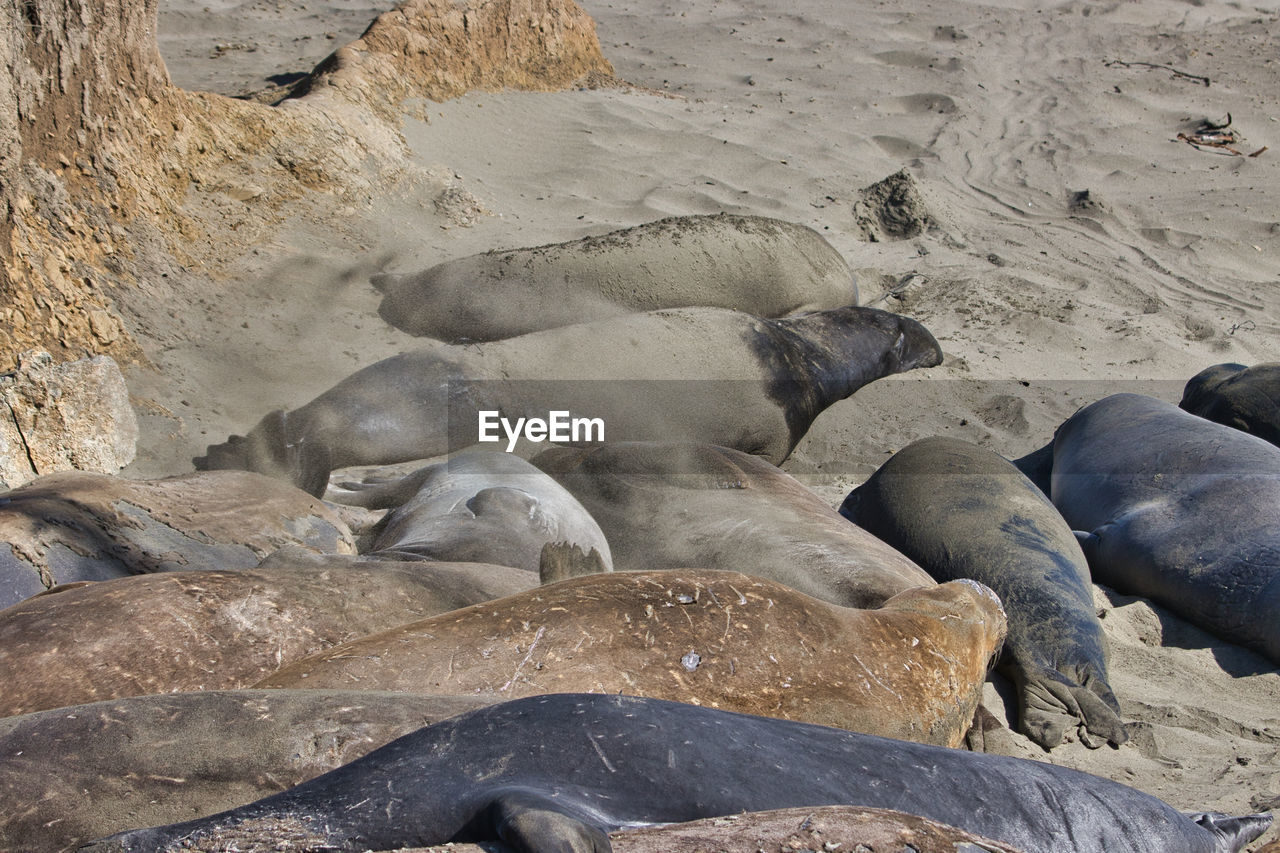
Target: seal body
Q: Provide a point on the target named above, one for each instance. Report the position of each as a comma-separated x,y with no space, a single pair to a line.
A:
208,630
666,505
706,374
762,266
961,511
480,507
1178,509
558,772
1247,398
913,668
77,526
70,775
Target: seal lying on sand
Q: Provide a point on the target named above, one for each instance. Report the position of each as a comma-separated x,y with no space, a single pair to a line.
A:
843,828
1247,398
912,669
963,512
558,772
1178,509
762,266
77,526
479,507
668,505
742,381
208,630
70,775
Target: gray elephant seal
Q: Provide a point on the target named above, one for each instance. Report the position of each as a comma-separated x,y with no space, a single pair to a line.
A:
558,772
665,505
70,775
479,506
704,374
77,526
1178,509
208,630
913,668
754,264
1247,398
964,512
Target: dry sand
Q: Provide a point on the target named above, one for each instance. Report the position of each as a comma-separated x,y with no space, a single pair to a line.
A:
1003,114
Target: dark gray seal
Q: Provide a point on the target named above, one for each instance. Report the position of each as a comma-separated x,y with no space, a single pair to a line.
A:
556,773
762,266
1178,509
964,512
77,526
704,374
478,506
1247,398
666,505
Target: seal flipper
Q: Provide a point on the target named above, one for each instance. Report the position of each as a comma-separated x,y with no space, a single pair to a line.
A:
532,823
1051,703
1231,834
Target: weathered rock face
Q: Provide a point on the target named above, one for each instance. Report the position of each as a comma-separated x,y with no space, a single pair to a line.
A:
101,158
78,526
61,417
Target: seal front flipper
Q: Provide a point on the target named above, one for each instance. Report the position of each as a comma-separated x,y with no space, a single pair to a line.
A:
530,822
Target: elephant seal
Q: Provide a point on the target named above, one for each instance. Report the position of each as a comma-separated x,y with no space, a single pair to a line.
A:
912,669
845,828
558,772
1178,509
964,512
762,266
70,775
706,374
479,507
1247,398
208,630
74,526
665,505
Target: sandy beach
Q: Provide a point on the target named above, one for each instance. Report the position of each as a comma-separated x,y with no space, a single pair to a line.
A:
1071,246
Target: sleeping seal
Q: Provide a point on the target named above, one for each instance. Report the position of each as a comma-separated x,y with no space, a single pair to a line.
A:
754,264
964,512
556,773
1247,398
664,505
1178,509
479,507
705,374
912,669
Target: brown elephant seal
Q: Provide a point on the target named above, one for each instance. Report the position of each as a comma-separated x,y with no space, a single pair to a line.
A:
705,374
1247,398
668,505
961,511
76,526
912,669
211,630
70,775
762,266
1178,509
827,828
479,506
559,772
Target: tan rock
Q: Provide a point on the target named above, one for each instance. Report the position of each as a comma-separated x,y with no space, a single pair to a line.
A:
63,417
